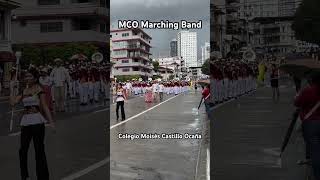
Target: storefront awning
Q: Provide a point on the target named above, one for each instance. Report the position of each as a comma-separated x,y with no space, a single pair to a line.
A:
6,56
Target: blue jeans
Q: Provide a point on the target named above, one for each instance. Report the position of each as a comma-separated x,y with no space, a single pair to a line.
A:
311,134
208,109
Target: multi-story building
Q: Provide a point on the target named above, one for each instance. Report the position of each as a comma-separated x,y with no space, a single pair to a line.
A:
173,63
218,26
275,36
173,48
7,57
131,52
62,21
187,48
269,24
205,53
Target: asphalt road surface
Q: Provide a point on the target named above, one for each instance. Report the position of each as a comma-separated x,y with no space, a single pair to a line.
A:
157,159
247,134
79,149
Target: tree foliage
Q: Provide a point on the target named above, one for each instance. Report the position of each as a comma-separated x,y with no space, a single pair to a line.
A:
124,78
155,65
206,67
41,55
306,22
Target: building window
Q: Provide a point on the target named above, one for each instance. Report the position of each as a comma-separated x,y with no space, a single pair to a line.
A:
81,1
125,34
125,61
136,69
125,70
103,28
51,27
81,24
48,2
2,25
103,3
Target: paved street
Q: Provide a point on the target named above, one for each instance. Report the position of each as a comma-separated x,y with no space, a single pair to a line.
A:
78,143
165,159
78,149
247,134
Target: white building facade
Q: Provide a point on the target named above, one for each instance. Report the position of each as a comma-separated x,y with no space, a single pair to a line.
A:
187,48
205,53
173,63
131,52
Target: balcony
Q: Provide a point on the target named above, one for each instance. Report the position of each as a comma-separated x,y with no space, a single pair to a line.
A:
232,1
231,18
232,9
5,45
90,9
58,37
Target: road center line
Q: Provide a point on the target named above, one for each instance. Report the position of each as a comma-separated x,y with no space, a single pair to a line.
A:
87,170
137,115
106,160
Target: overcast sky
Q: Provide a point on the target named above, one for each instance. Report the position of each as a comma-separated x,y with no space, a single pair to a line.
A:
172,10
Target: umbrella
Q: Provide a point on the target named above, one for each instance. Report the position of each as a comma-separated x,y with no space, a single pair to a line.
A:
301,68
203,82
289,131
80,57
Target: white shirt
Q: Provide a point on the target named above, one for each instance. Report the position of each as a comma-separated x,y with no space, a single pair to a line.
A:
59,75
155,87
161,88
120,96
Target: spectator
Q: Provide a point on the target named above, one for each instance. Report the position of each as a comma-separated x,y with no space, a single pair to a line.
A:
308,101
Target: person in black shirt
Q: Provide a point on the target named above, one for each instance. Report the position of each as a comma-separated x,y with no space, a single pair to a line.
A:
274,76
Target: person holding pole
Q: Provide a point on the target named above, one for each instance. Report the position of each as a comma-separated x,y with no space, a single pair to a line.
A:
36,113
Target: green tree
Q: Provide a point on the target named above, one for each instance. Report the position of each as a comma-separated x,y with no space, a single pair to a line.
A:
45,55
306,22
155,65
206,67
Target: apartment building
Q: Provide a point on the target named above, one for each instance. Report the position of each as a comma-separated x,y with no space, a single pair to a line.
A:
131,52
46,22
187,48
7,57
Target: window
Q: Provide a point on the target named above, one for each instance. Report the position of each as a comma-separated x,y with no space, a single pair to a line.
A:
136,69
103,28
81,24
48,2
125,70
81,1
51,27
125,61
125,34
2,25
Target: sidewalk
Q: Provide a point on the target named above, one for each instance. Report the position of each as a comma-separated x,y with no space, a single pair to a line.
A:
246,137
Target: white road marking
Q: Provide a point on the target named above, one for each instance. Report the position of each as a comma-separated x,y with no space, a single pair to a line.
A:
208,164
15,134
18,110
87,170
105,161
137,115
105,109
